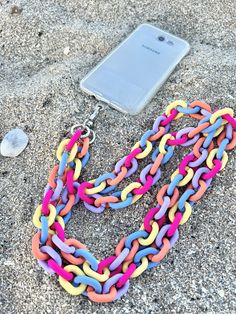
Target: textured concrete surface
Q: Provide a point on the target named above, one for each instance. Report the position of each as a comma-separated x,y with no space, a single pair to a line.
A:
36,94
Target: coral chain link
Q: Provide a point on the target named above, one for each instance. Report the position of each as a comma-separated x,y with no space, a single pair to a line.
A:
108,280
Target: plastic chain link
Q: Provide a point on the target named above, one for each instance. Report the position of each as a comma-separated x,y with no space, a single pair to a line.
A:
107,280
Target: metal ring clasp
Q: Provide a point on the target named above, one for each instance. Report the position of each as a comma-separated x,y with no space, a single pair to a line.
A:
85,127
86,134
82,127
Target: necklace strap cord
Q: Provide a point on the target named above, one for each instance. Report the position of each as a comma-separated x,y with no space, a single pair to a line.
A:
107,280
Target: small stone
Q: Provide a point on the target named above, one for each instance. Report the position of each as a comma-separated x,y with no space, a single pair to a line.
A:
221,293
204,290
15,9
66,51
13,143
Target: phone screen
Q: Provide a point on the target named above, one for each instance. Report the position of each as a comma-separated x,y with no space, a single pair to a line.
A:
130,76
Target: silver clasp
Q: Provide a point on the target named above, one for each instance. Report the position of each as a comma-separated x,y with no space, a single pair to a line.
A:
88,123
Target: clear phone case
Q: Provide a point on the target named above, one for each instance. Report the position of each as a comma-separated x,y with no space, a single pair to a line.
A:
132,73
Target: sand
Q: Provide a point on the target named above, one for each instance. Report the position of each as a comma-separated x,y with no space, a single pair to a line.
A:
38,95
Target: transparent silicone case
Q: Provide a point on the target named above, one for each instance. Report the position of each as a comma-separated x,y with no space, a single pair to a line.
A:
132,73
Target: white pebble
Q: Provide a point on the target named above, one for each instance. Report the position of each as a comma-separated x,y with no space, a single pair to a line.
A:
13,143
204,290
221,293
66,51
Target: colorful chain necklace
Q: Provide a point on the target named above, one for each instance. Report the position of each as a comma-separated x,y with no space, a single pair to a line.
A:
107,280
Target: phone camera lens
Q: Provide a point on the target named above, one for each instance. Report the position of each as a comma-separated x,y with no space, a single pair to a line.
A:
161,38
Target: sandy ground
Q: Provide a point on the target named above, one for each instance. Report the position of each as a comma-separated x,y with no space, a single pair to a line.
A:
36,94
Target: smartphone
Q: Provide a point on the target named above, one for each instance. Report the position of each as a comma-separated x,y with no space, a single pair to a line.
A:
133,72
